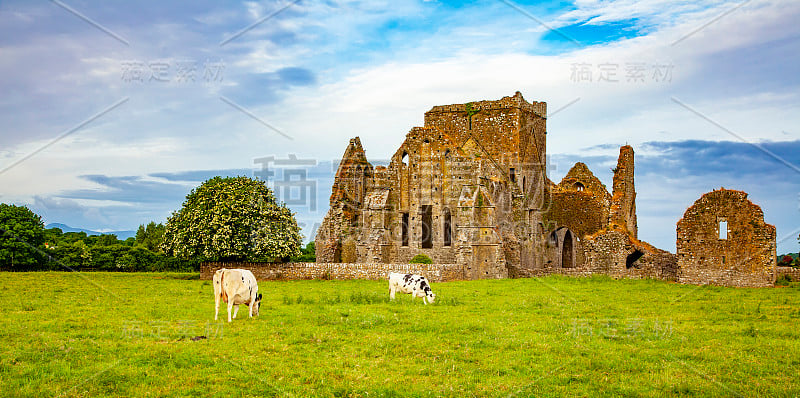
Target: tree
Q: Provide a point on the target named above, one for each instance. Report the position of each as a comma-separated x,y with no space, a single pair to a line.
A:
21,237
232,219
150,236
307,254
106,240
75,255
785,261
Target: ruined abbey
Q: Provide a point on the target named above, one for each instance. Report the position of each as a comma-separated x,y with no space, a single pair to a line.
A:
470,188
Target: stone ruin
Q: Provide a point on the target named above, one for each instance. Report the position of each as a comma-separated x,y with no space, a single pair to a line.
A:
723,240
470,188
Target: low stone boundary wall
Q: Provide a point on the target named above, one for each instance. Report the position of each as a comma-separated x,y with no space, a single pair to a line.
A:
337,271
791,272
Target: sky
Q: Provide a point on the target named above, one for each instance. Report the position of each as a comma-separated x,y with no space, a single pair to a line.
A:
112,112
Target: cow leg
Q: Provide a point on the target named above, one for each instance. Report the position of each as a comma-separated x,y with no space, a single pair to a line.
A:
236,311
392,290
251,307
230,309
216,306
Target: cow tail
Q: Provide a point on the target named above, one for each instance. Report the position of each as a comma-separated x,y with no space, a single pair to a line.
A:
222,288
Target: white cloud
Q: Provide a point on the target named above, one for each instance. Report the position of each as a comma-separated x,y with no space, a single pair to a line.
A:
377,82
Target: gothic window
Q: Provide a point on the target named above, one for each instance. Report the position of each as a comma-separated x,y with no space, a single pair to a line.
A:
427,231
448,228
405,229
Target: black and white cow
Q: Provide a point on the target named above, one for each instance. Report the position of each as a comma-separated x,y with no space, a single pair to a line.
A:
415,285
235,287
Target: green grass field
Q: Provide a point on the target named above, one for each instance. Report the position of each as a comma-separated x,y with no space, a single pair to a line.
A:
103,334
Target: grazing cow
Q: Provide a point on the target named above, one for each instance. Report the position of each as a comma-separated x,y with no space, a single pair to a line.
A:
234,287
416,285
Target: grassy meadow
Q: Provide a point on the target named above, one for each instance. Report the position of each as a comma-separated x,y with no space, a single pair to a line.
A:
113,334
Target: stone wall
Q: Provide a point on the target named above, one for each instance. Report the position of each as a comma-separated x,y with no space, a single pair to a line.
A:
337,271
742,254
448,188
617,254
791,272
583,212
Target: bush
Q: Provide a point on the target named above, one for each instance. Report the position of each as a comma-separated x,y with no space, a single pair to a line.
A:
785,261
784,280
421,259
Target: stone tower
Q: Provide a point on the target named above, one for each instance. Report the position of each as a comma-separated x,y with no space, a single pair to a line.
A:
623,199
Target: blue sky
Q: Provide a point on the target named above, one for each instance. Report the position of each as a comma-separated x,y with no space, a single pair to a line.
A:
113,111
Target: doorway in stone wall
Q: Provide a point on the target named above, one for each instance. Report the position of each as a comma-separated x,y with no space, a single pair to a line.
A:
567,251
427,231
630,261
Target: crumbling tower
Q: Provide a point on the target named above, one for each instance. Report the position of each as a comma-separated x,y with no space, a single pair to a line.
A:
623,199
354,179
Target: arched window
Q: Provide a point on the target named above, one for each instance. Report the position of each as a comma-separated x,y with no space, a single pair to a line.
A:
448,228
359,184
404,227
579,186
427,231
552,240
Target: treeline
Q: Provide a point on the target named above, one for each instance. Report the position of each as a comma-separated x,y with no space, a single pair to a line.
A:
789,260
25,245
64,251
76,250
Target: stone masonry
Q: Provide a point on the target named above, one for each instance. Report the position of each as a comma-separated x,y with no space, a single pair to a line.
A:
470,189
337,271
722,239
460,189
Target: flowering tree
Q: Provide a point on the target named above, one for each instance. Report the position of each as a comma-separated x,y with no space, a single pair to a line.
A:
230,219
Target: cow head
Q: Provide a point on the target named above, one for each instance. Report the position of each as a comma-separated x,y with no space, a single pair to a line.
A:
258,305
431,297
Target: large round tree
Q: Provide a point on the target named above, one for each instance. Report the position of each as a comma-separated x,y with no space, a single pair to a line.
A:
21,236
232,219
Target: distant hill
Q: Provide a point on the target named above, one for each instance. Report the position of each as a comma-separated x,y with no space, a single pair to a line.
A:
121,235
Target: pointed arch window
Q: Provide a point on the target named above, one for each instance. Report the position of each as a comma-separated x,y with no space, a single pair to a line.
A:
448,228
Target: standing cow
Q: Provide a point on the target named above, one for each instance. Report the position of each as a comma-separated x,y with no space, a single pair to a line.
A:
234,287
416,285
